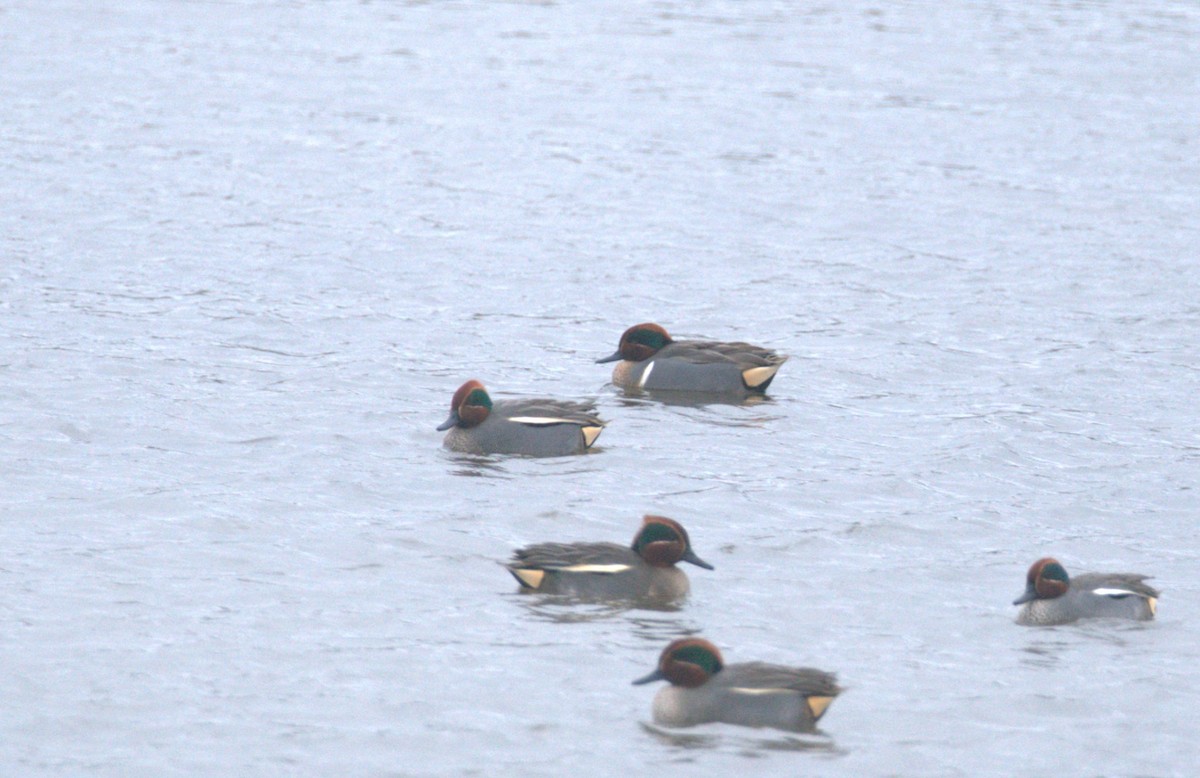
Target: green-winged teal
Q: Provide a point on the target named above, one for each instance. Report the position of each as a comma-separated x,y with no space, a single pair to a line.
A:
754,694
1053,597
535,427
646,568
650,360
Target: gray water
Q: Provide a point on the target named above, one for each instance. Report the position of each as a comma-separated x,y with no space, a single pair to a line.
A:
248,250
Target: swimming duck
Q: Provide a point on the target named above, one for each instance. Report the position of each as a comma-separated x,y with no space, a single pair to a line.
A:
646,568
534,427
753,694
1053,597
650,359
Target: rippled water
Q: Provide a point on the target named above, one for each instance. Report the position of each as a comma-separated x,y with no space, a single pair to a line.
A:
250,250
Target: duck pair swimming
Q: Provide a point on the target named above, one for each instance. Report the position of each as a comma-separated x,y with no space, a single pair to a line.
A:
702,687
647,568
649,359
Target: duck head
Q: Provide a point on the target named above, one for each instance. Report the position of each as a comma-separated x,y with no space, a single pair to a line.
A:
641,341
686,662
662,542
469,407
1045,580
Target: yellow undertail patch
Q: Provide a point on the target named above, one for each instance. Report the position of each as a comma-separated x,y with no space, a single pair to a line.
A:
590,434
531,578
1153,603
818,705
757,376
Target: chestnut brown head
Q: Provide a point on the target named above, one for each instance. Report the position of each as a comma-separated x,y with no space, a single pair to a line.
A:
662,542
639,342
1046,579
686,662
469,406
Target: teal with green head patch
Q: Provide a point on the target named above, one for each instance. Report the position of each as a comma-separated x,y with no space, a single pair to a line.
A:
661,542
1055,572
655,339
1045,580
700,656
654,532
479,397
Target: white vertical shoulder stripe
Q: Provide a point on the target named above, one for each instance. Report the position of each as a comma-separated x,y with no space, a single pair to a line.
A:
645,375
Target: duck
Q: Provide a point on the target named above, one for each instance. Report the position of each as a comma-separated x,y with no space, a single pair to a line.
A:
704,689
532,427
644,569
649,359
1052,597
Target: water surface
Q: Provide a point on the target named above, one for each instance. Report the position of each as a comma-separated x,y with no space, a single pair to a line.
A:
250,250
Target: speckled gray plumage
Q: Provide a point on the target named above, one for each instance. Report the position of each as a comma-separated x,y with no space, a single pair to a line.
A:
699,366
754,694
638,580
1081,600
499,434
